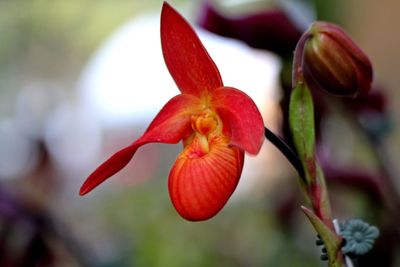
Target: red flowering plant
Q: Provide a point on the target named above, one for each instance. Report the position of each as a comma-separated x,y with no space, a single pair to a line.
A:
217,124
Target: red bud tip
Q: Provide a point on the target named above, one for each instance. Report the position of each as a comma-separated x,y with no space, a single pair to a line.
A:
333,62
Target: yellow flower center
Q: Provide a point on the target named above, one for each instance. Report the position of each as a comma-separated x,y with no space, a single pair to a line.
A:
205,123
206,126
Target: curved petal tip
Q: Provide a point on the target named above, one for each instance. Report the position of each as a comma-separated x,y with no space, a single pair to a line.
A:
242,120
110,167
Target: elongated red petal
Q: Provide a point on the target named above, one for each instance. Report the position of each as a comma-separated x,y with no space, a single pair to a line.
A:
241,118
200,186
185,56
170,125
110,167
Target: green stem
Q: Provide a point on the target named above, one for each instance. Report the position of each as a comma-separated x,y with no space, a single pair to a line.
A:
297,70
301,121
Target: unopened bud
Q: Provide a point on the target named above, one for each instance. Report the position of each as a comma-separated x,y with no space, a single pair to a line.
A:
333,62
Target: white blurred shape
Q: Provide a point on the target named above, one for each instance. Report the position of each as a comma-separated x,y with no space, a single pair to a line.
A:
73,138
302,13
127,80
34,104
18,153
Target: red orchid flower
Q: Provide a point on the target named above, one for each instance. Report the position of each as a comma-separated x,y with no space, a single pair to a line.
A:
216,124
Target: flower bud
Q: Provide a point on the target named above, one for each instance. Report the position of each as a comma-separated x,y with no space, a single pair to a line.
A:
332,61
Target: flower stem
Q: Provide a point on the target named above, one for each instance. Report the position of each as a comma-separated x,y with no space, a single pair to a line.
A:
297,70
284,148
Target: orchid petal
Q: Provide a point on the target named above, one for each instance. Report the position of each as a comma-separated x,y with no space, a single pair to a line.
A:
241,118
187,60
170,125
200,186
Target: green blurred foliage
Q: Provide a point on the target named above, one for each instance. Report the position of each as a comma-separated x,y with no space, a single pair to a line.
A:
53,39
328,10
62,26
149,232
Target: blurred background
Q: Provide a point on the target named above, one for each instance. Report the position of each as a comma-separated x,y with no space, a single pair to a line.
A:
81,79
